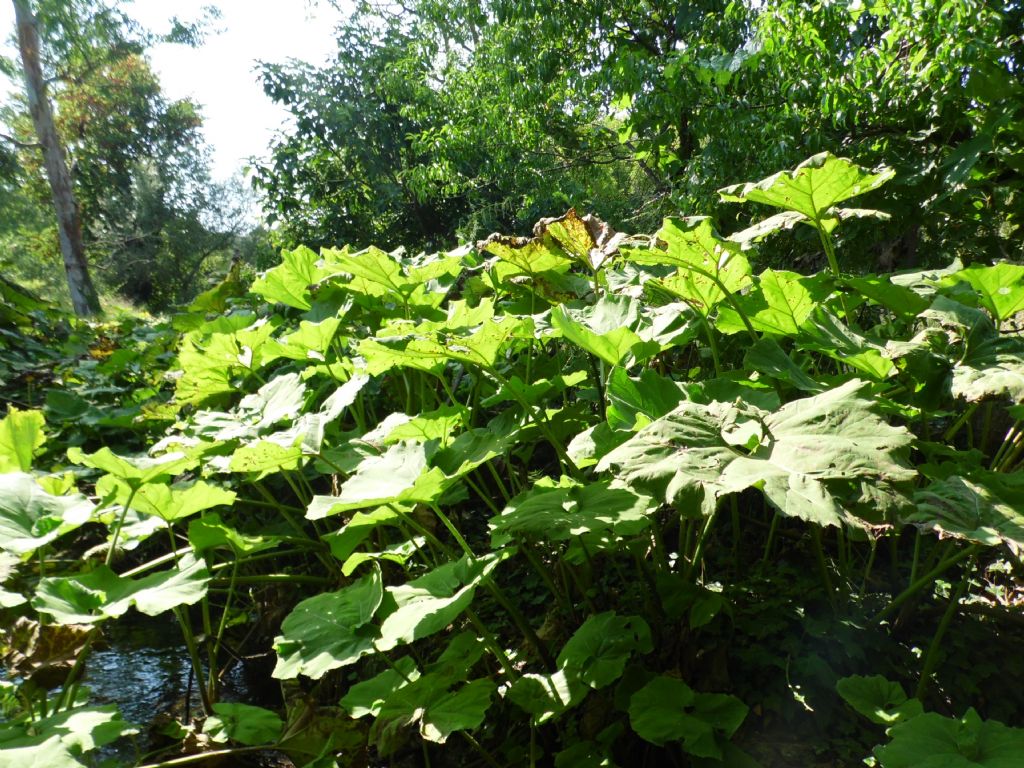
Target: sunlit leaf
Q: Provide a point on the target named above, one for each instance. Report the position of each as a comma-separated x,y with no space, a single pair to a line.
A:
31,518
812,188
21,437
329,630
101,594
723,448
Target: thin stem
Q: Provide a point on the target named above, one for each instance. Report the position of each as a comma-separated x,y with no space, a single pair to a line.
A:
117,528
931,658
924,581
698,552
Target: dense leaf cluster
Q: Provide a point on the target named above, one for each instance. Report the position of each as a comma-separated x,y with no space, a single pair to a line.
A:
574,499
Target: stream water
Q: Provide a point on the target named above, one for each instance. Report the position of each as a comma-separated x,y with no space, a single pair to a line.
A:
144,668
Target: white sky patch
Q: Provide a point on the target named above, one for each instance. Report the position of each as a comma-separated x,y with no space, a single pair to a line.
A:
239,120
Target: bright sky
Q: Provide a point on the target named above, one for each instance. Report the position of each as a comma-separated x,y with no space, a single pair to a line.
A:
239,120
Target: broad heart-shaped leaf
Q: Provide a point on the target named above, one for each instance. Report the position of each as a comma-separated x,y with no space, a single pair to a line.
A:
603,329
42,751
168,502
812,188
546,696
430,603
878,699
439,425
21,437
702,256
986,508
310,342
598,651
399,474
210,531
532,257
134,470
1000,287
101,594
329,630
368,696
594,657
992,368
50,742
374,273
30,517
558,514
667,709
243,723
778,305
344,542
438,711
209,363
633,403
723,448
289,282
933,741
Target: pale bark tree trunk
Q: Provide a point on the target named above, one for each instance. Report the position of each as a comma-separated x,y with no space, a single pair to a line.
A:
69,222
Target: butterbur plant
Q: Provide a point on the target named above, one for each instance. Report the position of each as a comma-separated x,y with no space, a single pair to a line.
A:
572,500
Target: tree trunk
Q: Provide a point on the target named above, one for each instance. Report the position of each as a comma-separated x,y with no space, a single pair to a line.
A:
69,223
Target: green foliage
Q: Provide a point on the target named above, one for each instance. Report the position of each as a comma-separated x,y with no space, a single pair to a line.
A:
574,494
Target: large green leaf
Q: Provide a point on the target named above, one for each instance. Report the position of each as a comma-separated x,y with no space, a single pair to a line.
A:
210,363
243,723
933,741
438,711
30,517
289,282
38,752
878,699
21,437
598,651
374,272
767,357
779,305
604,329
430,603
986,508
134,470
329,630
992,368
1001,287
791,454
558,514
824,333
633,403
169,502
310,342
812,188
210,531
101,594
594,657
50,742
532,257
368,696
546,696
667,709
399,474
707,262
